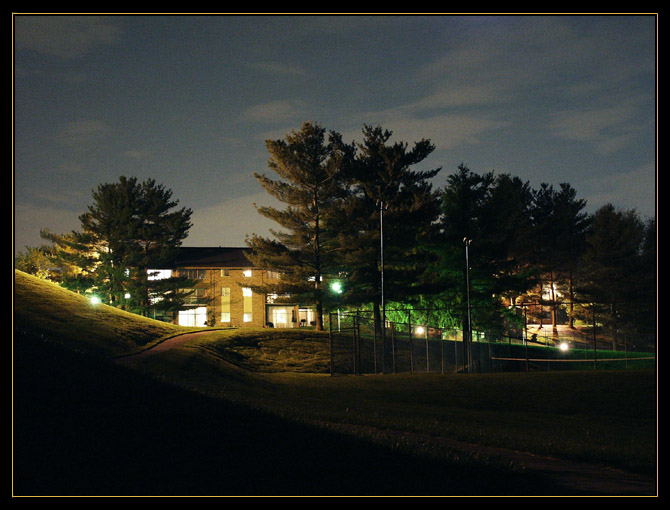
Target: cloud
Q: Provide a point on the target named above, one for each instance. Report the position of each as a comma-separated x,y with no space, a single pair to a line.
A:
278,68
274,112
66,37
83,132
608,128
137,155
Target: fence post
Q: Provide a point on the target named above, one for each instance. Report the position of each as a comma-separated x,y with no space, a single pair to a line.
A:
441,353
427,353
353,343
525,341
374,343
330,336
595,344
456,350
411,345
393,345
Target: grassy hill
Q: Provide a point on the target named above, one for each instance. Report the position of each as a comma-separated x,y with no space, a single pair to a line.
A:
43,308
254,412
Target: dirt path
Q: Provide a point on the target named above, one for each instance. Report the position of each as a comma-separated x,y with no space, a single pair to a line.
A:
166,345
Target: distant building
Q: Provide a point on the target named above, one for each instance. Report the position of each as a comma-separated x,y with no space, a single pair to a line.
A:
223,293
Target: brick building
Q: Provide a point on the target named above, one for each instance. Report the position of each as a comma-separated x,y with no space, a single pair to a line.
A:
223,293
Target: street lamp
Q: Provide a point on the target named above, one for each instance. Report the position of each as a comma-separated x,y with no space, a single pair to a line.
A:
467,242
336,287
383,303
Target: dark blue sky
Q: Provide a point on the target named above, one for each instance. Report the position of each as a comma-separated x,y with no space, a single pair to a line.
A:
190,100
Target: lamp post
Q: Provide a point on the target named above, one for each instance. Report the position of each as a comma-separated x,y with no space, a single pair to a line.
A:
468,341
336,287
383,303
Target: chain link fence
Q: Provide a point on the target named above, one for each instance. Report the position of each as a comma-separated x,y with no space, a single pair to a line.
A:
361,345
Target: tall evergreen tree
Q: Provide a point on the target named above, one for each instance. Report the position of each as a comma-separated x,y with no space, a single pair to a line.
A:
571,224
130,228
486,219
610,270
309,171
560,225
386,195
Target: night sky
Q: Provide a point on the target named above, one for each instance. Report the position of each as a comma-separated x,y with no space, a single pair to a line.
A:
190,100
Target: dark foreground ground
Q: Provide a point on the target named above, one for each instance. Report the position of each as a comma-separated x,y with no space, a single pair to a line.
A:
88,428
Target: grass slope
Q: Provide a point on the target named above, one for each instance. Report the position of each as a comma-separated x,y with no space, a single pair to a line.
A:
252,412
44,308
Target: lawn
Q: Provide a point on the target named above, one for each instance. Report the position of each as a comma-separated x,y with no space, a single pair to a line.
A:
256,412
607,417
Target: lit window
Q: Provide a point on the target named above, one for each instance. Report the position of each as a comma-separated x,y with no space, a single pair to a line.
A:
192,274
225,304
247,304
159,274
247,273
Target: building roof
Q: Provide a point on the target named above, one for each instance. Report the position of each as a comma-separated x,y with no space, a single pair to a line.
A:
212,257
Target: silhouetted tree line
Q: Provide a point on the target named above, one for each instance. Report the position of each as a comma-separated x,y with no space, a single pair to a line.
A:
524,245
350,205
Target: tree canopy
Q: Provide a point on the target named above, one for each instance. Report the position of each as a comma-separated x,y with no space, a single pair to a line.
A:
130,228
310,181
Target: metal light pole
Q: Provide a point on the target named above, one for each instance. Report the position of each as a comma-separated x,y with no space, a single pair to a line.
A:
381,238
467,242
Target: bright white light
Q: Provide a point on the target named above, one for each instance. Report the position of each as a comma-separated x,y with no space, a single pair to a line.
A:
420,330
95,300
337,287
127,295
563,346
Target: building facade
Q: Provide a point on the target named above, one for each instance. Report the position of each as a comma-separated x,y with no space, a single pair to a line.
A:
224,296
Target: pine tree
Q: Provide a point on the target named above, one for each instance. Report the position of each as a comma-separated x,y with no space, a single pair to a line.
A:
611,266
571,225
386,196
130,228
559,229
309,171
483,262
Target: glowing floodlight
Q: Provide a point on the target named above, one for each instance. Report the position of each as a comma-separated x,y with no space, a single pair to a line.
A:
336,287
95,300
420,330
564,346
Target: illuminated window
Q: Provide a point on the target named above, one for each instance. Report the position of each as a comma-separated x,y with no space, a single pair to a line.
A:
273,274
225,304
192,274
247,273
159,274
247,298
